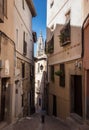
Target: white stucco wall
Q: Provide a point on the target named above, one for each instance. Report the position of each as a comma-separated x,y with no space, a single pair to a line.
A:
23,23
56,16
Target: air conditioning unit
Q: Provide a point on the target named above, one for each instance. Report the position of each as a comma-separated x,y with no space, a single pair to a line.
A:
0,64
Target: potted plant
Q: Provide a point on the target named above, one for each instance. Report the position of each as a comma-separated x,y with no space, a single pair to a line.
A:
59,73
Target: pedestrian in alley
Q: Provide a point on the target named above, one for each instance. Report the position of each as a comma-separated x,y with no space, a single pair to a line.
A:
43,113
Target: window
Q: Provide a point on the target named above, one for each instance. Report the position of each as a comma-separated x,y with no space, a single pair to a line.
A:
62,77
24,44
23,70
52,73
23,4
65,33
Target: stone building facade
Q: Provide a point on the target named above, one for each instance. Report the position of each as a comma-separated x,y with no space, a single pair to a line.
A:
7,66
64,48
24,11
16,59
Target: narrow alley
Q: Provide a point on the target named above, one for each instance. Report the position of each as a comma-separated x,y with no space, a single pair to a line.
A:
50,123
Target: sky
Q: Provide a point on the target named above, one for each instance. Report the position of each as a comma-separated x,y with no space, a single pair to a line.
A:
39,22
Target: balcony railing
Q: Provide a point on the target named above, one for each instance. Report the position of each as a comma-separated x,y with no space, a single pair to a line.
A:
65,35
50,46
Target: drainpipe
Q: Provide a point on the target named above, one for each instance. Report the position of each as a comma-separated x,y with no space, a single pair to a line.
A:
82,55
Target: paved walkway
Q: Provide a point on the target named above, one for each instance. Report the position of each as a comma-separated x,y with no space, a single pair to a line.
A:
34,123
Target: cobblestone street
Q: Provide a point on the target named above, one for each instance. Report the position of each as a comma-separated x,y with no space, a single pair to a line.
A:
51,123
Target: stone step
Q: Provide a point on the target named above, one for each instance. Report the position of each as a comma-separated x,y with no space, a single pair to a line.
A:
77,118
75,122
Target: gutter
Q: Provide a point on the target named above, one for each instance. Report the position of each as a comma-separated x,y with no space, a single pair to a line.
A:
31,7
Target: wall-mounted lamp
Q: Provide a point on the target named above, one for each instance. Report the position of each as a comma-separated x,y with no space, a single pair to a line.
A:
78,65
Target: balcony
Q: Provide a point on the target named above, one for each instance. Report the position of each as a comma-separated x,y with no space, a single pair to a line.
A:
65,35
50,46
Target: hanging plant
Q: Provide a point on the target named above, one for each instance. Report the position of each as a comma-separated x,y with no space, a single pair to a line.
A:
59,73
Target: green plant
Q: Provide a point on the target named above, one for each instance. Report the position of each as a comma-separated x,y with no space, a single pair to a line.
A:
59,73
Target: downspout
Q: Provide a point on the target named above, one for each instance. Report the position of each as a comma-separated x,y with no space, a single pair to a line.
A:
82,54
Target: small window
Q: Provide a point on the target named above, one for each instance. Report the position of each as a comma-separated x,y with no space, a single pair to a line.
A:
23,70
52,73
62,77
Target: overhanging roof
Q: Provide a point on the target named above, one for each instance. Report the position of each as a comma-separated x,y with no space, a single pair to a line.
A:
31,7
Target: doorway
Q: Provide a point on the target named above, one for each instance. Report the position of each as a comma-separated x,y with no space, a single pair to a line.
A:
76,94
54,106
4,99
